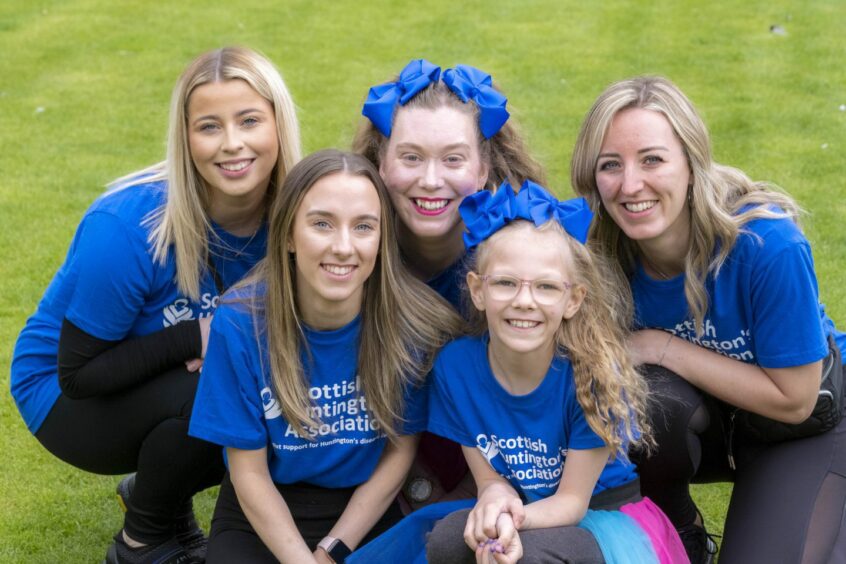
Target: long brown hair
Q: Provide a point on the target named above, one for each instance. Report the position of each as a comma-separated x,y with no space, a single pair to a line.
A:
403,324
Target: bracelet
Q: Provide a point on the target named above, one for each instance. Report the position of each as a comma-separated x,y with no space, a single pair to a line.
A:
664,352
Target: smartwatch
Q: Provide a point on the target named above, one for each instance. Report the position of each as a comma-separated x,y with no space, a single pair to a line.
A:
335,548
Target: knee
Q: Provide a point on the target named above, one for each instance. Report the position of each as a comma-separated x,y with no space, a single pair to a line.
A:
445,544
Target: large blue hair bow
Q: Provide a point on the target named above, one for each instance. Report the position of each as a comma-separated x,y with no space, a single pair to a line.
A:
484,213
382,99
470,83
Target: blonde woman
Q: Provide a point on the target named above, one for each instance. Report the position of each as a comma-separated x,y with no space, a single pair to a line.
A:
314,379
739,351
104,372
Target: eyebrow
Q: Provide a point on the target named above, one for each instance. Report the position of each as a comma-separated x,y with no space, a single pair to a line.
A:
640,151
450,147
239,114
322,213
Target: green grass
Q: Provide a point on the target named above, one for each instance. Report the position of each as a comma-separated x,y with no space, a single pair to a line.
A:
84,89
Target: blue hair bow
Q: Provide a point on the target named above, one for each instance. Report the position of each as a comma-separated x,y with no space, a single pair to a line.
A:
484,213
469,83
382,99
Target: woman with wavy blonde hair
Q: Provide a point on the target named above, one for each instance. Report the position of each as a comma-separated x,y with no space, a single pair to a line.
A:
105,371
543,399
739,352
314,379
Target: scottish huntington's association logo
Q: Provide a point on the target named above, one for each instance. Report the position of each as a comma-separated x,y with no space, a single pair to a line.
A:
270,405
179,310
486,446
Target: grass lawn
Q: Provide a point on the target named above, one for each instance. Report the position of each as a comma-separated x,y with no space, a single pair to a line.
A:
84,90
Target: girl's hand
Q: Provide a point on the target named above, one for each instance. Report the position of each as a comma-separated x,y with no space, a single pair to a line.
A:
194,364
505,549
494,501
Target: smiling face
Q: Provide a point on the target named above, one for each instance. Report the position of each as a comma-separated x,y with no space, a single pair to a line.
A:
233,141
643,178
521,327
335,239
432,162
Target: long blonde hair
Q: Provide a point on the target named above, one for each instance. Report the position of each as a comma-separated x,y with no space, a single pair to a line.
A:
717,194
611,392
505,153
403,321
183,222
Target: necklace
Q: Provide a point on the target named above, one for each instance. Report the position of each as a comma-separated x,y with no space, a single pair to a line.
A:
654,269
240,251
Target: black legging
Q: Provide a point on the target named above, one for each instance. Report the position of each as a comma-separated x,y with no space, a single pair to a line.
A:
314,509
143,429
788,500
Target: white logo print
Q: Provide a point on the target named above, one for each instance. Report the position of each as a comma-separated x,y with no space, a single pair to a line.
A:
487,447
176,312
271,406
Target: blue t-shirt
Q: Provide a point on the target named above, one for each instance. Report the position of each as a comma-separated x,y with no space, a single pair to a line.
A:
236,404
524,438
111,287
449,282
763,307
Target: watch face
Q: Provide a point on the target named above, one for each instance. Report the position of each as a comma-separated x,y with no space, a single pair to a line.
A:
419,489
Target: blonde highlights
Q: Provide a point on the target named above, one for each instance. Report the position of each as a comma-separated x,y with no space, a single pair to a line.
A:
610,391
182,225
403,322
717,193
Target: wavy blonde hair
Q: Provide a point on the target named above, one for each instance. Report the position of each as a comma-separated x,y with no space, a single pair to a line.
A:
717,194
505,153
182,225
612,394
403,321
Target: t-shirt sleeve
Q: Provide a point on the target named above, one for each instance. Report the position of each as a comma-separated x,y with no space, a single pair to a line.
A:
579,436
444,412
416,412
112,272
227,408
787,327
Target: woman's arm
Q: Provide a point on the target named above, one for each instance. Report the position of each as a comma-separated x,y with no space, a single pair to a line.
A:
372,498
89,366
784,394
569,504
264,506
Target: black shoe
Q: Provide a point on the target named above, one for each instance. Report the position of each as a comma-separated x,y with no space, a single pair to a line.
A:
189,534
168,552
699,545
186,531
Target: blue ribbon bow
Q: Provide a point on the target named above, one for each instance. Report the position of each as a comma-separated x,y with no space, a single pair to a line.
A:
484,213
382,99
469,83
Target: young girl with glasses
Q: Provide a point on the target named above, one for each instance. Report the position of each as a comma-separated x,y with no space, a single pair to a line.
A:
543,398
313,381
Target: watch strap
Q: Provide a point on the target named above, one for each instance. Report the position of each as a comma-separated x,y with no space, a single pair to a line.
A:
335,548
